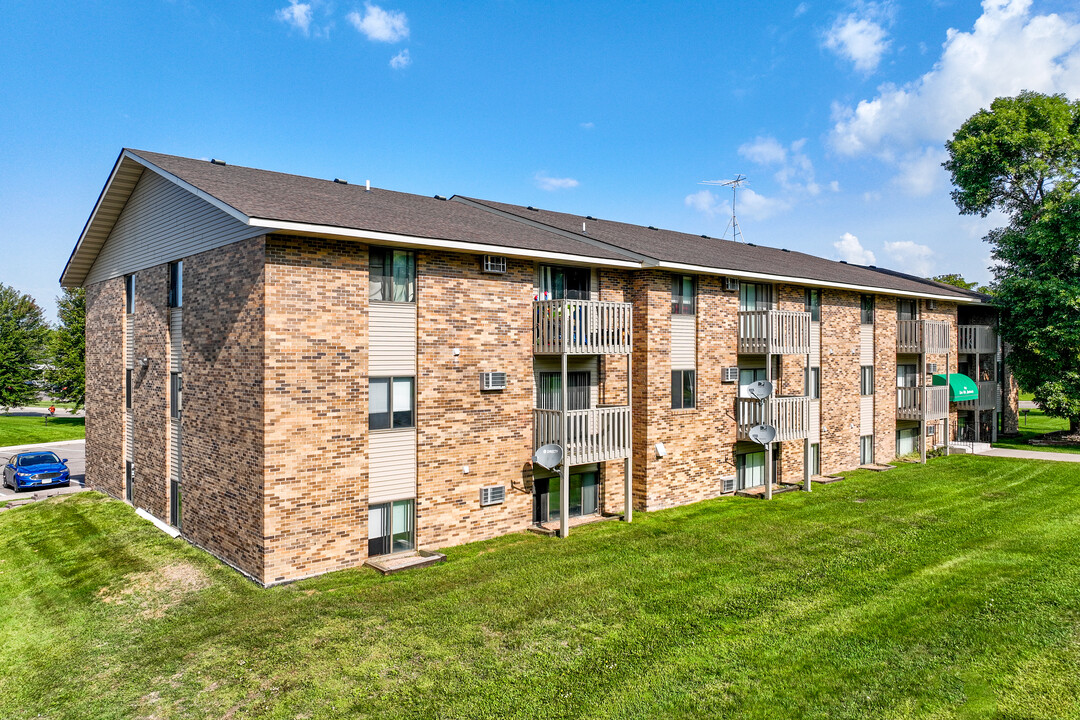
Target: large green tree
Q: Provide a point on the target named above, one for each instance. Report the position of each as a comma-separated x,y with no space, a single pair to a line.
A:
67,370
24,335
1022,158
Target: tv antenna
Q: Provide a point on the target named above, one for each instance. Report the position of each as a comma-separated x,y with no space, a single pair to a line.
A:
733,224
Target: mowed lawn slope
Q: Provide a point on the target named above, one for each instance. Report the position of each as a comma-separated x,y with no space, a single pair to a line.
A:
945,591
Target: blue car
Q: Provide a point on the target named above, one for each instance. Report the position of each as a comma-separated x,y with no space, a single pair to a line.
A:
39,469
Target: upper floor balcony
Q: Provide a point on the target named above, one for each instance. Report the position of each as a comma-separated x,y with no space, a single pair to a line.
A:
929,402
981,339
593,435
987,400
923,336
582,327
779,332
790,415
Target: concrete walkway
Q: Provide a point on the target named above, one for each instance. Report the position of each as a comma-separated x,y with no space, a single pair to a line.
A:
1031,455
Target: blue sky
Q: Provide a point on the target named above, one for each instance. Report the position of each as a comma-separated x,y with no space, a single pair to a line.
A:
836,111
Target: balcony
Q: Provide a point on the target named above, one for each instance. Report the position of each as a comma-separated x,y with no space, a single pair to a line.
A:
987,398
979,339
923,336
922,403
779,332
789,415
582,327
594,435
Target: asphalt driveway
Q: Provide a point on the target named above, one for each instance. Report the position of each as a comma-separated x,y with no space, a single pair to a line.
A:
75,453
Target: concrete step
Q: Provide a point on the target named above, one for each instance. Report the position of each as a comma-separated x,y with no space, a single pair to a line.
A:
969,448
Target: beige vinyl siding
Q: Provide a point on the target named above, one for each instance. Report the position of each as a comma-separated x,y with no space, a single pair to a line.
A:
683,342
391,465
866,345
866,415
590,363
392,339
815,344
176,338
161,223
129,433
815,421
174,449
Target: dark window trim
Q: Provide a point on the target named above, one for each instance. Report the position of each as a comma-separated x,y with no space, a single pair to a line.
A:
176,284
811,307
867,308
680,303
176,394
128,373
384,279
129,294
683,384
813,382
392,420
866,380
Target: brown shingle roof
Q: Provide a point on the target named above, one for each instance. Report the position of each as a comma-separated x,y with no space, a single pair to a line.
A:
683,248
294,198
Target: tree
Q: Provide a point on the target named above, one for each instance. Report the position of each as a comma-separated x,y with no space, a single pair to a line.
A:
957,280
1022,157
67,372
23,338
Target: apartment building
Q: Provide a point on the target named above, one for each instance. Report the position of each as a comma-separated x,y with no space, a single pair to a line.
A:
301,375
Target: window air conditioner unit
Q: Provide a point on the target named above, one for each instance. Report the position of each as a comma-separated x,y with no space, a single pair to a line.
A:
931,368
492,495
493,381
730,374
731,284
495,264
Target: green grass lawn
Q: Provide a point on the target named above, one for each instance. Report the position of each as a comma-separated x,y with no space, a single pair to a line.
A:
946,591
1037,423
1026,395
23,430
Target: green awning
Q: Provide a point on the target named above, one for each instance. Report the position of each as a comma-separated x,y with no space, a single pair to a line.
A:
961,387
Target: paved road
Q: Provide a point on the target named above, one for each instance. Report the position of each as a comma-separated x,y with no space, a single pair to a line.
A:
42,412
1024,405
75,453
1031,455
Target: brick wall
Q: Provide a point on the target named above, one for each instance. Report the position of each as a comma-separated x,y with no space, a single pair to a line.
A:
150,488
222,423
840,314
884,378
315,399
105,386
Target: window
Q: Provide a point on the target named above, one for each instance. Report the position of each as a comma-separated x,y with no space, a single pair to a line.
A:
129,479
866,380
747,376
749,470
866,450
176,394
813,382
907,375
755,296
176,284
549,390
391,403
682,294
813,303
175,504
907,310
127,388
584,498
867,317
683,391
815,459
907,441
129,294
391,527
392,275
564,283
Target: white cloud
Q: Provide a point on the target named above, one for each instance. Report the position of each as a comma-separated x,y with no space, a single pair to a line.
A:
801,9
861,40
706,202
795,172
545,182
588,125
1007,51
764,151
911,257
380,25
755,206
297,14
834,186
921,173
851,250
401,60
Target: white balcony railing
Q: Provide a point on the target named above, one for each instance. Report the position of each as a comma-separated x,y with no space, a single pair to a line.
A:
582,327
987,400
923,336
976,339
780,332
922,403
594,435
789,415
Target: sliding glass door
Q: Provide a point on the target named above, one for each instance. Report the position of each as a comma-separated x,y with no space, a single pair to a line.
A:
584,497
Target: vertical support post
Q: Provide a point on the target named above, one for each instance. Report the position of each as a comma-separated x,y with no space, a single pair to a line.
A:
765,415
806,426
628,467
978,411
564,473
948,389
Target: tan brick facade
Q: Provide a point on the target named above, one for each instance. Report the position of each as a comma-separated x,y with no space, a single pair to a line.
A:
840,320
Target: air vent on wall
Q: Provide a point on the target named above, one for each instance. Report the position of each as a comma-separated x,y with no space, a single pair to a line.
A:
931,368
495,264
731,374
731,284
493,495
493,381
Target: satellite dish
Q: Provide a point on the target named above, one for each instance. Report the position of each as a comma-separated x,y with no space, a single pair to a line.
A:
548,456
760,389
763,434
